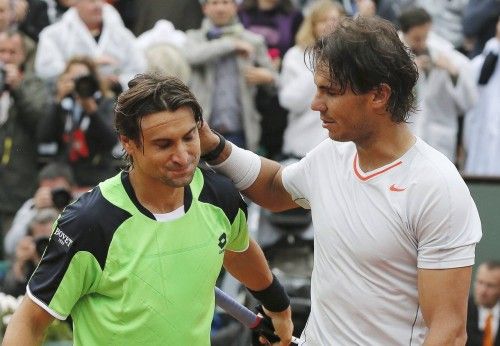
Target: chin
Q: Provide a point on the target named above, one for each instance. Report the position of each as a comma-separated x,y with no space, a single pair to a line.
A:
178,181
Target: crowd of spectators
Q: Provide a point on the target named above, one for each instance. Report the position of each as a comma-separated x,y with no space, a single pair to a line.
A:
64,62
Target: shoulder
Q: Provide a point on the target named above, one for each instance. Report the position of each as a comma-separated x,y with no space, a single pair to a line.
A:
433,169
52,31
294,54
329,148
89,223
219,191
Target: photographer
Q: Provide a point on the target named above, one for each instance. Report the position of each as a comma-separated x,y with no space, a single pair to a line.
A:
79,131
55,183
23,101
29,251
445,89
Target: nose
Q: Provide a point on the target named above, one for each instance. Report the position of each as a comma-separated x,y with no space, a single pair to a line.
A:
181,156
317,104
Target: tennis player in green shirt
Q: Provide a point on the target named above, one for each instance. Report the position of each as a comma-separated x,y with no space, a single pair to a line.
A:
134,261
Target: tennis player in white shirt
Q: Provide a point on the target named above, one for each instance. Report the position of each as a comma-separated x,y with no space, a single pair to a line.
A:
395,225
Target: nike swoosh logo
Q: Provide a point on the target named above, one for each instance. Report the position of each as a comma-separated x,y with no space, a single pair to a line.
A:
394,188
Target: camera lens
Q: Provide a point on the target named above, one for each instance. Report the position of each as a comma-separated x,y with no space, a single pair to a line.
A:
40,245
86,86
60,197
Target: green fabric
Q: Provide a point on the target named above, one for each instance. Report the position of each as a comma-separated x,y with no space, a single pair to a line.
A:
157,285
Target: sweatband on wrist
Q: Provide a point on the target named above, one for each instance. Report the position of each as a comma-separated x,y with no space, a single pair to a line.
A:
242,167
214,154
273,298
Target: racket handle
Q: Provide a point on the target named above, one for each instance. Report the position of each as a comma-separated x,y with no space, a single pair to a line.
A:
240,312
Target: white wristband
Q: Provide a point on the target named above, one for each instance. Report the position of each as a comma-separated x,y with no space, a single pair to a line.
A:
242,167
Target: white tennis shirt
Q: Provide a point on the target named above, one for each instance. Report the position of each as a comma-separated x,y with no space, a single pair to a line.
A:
372,231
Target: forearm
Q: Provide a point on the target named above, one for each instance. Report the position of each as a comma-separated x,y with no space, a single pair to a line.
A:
256,177
249,267
202,52
25,328
446,333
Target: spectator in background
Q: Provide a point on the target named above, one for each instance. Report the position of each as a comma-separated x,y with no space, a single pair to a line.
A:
8,22
277,21
55,185
29,251
183,14
163,48
482,122
42,13
6,15
479,23
392,9
365,8
447,19
92,28
297,90
483,314
224,59
24,100
445,87
80,130
167,59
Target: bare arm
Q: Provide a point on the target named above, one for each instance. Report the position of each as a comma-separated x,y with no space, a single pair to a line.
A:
28,325
250,268
443,297
267,190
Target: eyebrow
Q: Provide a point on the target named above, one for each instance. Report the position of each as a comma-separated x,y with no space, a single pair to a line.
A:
157,140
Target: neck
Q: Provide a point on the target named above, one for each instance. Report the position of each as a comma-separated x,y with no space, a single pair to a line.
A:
94,28
385,146
154,195
266,5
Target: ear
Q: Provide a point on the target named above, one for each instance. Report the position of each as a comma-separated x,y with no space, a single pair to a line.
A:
380,97
128,144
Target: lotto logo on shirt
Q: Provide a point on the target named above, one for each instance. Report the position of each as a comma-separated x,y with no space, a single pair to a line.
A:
62,238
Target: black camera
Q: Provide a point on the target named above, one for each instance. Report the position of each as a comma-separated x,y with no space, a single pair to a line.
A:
40,245
86,86
3,83
61,197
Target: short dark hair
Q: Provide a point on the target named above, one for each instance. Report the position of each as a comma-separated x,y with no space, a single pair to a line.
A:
151,93
363,53
56,170
492,264
413,17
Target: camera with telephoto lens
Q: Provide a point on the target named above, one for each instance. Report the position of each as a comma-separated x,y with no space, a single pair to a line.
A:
3,83
40,244
86,86
61,197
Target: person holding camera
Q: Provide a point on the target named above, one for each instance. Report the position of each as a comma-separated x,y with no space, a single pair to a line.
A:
29,251
79,131
445,88
23,101
55,186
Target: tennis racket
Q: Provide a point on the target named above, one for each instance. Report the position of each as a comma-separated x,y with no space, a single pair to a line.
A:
258,322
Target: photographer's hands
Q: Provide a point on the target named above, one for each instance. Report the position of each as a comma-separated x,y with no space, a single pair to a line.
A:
13,76
66,86
25,253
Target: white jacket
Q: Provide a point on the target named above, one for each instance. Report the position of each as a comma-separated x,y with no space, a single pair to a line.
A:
440,101
297,90
70,37
482,123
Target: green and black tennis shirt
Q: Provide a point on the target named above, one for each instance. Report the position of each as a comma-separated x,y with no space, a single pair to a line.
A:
128,279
